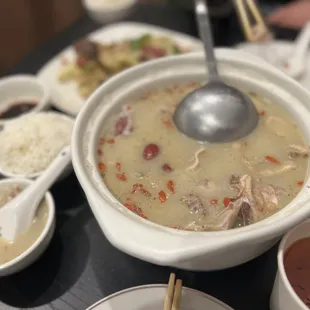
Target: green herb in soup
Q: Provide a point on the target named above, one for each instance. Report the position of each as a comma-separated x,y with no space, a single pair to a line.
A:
170,179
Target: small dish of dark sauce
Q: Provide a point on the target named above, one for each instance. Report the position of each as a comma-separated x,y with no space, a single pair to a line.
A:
16,109
297,268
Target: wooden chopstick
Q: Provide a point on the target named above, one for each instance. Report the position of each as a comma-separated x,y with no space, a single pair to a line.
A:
177,295
170,293
173,295
258,31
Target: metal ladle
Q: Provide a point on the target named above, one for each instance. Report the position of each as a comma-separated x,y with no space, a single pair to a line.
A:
215,112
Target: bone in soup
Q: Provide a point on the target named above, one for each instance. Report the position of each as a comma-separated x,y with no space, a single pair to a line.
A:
11,250
170,179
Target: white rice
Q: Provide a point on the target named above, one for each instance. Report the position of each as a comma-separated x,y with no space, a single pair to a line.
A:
29,143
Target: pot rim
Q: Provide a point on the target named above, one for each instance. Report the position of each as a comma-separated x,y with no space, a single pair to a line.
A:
216,240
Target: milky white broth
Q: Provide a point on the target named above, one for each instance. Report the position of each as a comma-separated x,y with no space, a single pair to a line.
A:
172,180
11,250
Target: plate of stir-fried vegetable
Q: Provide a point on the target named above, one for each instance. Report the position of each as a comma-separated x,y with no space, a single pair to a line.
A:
75,73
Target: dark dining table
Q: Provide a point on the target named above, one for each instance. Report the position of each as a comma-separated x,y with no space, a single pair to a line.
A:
80,266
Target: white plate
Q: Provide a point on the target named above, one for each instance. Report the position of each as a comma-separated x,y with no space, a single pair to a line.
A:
275,51
65,97
151,297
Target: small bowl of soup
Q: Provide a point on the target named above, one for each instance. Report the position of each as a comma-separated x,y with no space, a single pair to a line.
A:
292,285
21,94
29,245
170,200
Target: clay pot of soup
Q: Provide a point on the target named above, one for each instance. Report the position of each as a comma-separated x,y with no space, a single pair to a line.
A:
170,200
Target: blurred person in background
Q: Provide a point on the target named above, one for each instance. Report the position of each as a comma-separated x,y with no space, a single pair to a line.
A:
284,13
294,14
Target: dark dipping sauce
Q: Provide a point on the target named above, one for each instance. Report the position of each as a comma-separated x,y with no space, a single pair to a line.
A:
297,268
17,109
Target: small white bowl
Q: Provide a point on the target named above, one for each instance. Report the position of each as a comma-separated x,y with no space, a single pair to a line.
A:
103,12
283,296
17,88
39,246
35,175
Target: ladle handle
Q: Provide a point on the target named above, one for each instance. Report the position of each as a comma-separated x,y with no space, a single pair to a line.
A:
203,21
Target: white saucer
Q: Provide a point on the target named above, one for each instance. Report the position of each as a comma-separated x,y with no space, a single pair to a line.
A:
275,50
151,297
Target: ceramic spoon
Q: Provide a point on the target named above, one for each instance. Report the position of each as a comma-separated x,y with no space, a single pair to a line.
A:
18,214
295,66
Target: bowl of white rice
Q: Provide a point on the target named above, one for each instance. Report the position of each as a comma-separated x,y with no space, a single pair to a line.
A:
31,142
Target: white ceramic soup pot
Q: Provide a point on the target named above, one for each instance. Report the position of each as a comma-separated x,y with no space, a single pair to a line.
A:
162,245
